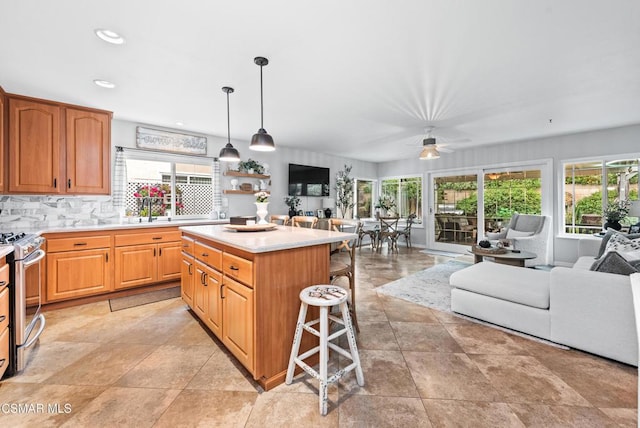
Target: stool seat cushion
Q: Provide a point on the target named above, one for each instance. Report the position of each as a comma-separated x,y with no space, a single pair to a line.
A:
323,295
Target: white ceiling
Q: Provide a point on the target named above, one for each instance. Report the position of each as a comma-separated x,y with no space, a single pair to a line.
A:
354,78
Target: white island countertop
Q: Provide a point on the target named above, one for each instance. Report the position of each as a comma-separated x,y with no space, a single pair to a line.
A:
280,238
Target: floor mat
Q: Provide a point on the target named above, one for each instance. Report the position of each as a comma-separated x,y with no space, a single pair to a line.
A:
120,303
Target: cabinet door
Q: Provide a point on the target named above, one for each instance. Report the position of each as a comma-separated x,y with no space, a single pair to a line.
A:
88,149
3,140
136,265
169,256
237,324
34,147
78,273
199,291
187,278
213,314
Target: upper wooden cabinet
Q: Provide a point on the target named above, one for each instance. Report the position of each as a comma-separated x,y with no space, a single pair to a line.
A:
56,148
3,139
88,140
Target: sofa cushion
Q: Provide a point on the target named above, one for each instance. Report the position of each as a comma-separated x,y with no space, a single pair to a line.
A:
584,263
623,245
613,262
515,284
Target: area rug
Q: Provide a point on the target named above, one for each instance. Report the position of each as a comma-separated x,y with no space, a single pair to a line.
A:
441,253
120,303
429,287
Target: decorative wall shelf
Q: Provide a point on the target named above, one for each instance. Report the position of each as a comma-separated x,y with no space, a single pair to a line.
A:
242,192
245,174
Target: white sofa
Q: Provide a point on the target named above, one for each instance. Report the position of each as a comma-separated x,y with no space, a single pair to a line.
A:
583,309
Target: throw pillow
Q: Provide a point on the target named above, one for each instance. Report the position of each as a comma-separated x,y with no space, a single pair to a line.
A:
620,243
612,262
608,235
511,233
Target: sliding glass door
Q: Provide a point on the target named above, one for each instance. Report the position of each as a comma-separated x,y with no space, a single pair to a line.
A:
466,204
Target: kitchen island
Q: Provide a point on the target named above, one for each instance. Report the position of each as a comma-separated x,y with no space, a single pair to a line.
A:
245,288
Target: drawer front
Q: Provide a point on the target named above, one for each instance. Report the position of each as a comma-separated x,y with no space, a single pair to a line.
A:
4,350
148,238
4,308
208,255
4,276
238,268
188,245
57,245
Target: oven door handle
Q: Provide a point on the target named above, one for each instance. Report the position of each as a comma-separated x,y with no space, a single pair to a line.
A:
39,257
35,337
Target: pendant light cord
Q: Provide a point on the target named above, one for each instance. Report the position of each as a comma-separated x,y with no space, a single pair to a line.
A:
228,122
261,102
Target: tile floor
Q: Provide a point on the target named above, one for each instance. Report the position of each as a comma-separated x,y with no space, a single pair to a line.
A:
154,366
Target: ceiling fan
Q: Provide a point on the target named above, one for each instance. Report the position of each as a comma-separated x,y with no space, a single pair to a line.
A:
431,149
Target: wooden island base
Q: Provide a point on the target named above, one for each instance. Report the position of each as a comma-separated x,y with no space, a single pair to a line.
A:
250,301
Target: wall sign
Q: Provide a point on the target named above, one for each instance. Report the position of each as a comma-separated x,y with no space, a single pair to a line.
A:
165,141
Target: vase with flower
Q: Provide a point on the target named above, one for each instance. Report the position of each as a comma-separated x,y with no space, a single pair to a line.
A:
293,202
262,202
614,212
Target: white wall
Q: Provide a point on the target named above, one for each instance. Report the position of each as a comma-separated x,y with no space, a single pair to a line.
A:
124,134
623,141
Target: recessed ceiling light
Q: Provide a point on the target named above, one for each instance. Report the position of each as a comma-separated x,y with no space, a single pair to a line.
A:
109,36
104,84
180,123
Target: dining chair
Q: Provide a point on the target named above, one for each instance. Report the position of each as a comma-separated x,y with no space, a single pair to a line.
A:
281,219
388,232
635,291
406,232
343,262
304,221
371,233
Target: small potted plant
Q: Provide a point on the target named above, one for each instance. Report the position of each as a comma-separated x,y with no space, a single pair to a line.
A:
614,212
293,202
262,201
250,167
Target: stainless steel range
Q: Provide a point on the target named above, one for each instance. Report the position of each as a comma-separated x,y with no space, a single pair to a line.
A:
27,264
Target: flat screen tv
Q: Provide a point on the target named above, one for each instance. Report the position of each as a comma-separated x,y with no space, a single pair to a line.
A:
308,180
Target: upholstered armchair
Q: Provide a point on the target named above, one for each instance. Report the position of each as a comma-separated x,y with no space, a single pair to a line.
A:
528,233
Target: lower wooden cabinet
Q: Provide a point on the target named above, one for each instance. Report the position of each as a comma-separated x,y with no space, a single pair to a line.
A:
138,265
73,274
238,321
187,278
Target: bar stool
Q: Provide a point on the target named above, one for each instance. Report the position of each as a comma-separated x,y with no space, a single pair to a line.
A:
324,296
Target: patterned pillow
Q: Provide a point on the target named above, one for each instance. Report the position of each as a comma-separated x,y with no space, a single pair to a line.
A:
612,262
608,235
624,246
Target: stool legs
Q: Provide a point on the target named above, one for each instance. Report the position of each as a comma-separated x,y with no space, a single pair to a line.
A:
323,349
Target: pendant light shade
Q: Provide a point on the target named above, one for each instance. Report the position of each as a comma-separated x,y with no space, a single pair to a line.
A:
261,141
429,150
228,152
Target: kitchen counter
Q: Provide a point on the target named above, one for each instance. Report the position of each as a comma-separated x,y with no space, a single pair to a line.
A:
281,238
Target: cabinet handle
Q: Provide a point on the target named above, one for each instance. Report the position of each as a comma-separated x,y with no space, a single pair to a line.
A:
2,361
79,244
160,252
106,255
157,238
205,255
3,317
232,267
3,283
221,295
154,252
69,183
202,278
55,183
185,245
190,273
205,279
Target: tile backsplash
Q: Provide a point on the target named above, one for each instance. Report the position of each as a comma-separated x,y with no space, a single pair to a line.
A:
30,213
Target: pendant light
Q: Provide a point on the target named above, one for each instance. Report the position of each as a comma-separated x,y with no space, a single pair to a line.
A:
261,142
228,152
